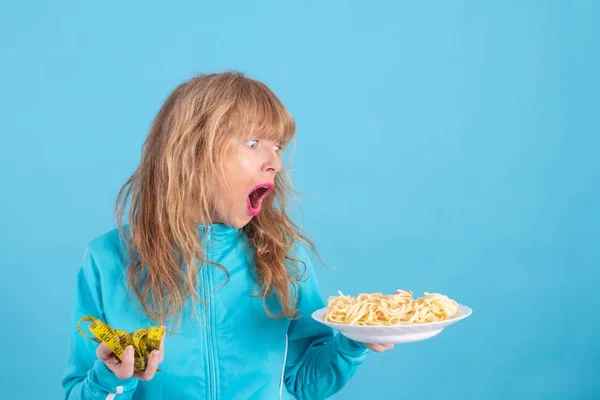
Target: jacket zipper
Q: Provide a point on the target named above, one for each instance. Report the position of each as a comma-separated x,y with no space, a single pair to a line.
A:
210,340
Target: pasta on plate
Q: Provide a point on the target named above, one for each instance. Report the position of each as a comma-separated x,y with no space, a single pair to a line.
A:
377,309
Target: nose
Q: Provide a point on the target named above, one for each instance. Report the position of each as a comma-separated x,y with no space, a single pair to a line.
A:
272,163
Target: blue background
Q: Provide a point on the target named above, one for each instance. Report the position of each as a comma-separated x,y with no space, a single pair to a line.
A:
442,146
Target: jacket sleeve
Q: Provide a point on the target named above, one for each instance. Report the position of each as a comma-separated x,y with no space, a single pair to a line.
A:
319,362
85,377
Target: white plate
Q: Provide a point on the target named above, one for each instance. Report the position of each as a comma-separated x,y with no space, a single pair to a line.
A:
393,334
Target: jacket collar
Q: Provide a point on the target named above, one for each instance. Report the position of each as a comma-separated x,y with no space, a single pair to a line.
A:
217,235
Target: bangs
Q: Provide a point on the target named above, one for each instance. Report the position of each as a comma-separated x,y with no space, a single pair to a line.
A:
258,113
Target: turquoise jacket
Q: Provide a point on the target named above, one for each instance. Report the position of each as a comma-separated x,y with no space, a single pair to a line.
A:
237,352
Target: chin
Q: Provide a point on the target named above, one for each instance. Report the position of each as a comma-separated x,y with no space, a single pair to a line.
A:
241,222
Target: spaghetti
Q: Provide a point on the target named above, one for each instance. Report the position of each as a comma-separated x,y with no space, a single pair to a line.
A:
376,309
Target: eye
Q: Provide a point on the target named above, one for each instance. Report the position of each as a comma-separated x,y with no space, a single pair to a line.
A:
252,143
277,148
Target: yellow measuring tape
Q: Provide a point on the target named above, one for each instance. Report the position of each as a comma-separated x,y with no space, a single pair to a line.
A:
143,340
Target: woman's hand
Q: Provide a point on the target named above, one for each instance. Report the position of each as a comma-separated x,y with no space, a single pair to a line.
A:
379,348
124,369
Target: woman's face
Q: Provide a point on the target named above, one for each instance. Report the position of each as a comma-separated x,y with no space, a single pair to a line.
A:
250,167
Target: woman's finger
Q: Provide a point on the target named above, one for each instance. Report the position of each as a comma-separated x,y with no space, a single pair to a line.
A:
151,367
128,362
103,352
375,347
161,350
379,348
123,369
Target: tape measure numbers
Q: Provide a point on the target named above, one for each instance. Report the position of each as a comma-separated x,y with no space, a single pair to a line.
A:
143,340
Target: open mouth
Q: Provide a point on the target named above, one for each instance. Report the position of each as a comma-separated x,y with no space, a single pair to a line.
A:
257,196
